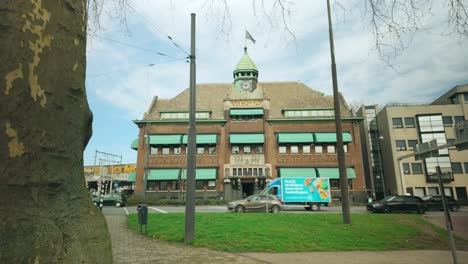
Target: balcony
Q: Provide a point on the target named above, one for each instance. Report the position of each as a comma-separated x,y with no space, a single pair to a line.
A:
433,178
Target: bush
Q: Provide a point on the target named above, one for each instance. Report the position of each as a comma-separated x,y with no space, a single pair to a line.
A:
172,202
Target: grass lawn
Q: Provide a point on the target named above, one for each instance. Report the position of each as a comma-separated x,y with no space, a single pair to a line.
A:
300,232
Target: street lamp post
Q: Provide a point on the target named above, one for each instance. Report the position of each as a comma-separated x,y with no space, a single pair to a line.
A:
145,180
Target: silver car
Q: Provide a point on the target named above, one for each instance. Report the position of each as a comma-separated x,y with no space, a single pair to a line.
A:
256,202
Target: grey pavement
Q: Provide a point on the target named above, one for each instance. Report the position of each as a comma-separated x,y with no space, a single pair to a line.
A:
130,247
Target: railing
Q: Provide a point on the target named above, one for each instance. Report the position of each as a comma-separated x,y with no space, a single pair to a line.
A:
433,178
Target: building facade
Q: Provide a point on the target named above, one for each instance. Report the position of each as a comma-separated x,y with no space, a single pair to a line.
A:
248,133
401,127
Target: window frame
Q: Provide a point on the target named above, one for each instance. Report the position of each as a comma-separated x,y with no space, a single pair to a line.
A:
282,149
397,120
400,148
406,168
458,165
316,147
417,165
294,149
412,120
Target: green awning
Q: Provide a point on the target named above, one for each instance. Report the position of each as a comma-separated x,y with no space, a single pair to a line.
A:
132,177
297,172
165,139
334,173
164,174
246,111
134,144
246,139
295,138
201,174
208,139
330,137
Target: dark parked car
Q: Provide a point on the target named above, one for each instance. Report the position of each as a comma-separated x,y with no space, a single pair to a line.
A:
256,202
113,199
398,203
434,203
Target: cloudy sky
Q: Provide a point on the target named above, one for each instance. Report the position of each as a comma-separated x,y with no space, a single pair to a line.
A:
125,71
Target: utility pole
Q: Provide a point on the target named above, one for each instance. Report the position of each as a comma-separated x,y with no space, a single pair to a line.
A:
191,162
339,132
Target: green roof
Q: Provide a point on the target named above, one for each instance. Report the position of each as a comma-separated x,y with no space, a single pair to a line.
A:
201,174
246,111
134,144
331,137
206,139
246,138
165,139
131,177
297,172
295,138
245,63
334,173
164,174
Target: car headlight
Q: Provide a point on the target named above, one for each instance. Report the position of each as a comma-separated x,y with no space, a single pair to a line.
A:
377,205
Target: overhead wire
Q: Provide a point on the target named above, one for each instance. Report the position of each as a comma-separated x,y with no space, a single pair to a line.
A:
157,28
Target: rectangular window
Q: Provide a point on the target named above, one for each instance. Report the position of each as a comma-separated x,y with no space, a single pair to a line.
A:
330,149
211,185
335,184
447,120
235,150
234,172
282,149
400,145
175,185
151,186
461,193
244,172
420,191
247,150
306,149
260,172
458,119
412,144
417,168
154,151
177,151
466,166
432,123
318,149
249,172
409,121
294,149
163,185
258,150
457,167
465,97
345,148
165,151
199,185
397,123
200,150
406,168
433,190
212,151
255,172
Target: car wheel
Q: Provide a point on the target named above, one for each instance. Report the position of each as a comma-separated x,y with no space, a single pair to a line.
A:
454,208
240,209
308,208
421,210
387,209
275,209
118,204
315,207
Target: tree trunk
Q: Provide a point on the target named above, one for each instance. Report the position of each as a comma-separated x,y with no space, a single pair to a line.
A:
46,214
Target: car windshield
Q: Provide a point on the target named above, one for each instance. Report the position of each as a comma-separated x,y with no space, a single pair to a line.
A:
388,198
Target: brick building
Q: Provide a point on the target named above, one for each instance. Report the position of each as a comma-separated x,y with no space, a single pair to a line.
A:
248,132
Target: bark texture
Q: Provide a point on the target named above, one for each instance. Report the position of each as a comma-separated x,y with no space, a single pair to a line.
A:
46,214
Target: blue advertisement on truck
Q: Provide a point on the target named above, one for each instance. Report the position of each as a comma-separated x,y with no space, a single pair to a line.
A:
309,192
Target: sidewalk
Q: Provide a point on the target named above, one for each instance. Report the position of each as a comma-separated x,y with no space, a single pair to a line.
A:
130,247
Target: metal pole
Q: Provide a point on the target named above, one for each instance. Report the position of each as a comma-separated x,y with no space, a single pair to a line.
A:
379,140
339,132
100,189
112,173
191,165
145,180
448,220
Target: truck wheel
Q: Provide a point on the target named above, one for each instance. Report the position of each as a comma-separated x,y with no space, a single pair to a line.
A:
315,207
118,204
275,209
240,209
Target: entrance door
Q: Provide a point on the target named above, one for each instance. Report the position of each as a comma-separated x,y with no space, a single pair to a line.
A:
247,189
